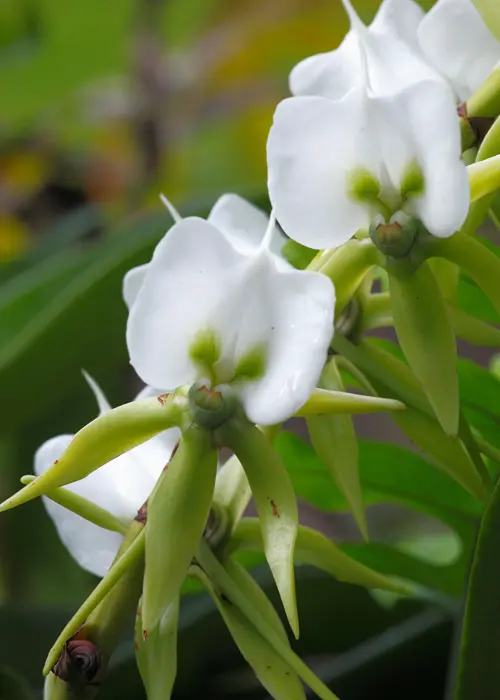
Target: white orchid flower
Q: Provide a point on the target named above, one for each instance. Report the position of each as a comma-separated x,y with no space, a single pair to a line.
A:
120,487
217,303
456,40
371,134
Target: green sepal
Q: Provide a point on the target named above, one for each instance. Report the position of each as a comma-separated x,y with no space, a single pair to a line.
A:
389,375
377,313
447,452
484,177
82,507
275,501
485,101
315,549
106,437
347,267
298,255
273,672
177,513
426,336
334,439
103,609
323,402
474,258
156,655
232,491
55,688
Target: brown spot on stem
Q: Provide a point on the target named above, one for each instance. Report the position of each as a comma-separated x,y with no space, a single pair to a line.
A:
275,509
162,398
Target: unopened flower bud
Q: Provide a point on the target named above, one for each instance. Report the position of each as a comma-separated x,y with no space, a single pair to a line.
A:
395,238
211,408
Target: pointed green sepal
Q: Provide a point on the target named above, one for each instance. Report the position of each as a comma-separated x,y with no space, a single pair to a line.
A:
298,255
275,674
106,437
426,335
484,177
82,507
56,689
347,267
232,491
474,258
447,452
474,330
323,402
334,439
123,575
177,513
276,504
156,655
315,549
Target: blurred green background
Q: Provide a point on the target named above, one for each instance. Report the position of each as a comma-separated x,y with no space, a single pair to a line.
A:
103,106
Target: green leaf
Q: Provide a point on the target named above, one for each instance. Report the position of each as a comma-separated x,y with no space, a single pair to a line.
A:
324,402
424,330
276,505
334,439
157,654
177,514
106,437
479,671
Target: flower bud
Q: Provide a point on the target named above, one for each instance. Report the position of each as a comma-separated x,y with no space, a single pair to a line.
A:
211,408
396,238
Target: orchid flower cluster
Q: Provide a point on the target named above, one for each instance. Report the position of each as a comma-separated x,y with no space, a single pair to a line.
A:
378,172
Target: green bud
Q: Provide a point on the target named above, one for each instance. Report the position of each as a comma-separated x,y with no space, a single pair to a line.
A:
334,439
156,654
211,408
395,239
412,181
101,618
426,336
275,501
177,514
315,549
106,437
275,674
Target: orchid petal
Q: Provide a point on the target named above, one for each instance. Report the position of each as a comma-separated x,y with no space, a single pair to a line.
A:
426,111
132,283
243,224
400,18
455,39
313,144
190,273
301,308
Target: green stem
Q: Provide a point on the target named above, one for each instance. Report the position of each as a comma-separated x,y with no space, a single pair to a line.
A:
486,448
221,578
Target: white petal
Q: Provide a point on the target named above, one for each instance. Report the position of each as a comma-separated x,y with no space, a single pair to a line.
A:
243,224
456,40
189,275
331,74
132,282
313,144
101,399
299,314
430,118
121,487
401,18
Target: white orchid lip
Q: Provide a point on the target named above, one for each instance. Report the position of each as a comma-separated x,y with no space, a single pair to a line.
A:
120,487
216,301
372,130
